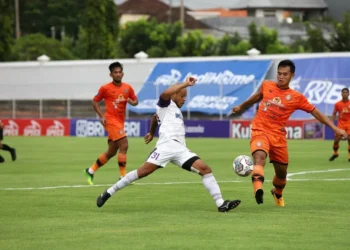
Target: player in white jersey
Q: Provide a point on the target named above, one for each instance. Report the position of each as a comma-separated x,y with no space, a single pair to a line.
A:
171,147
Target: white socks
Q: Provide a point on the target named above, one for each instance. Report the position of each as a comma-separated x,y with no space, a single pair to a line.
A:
213,188
208,180
123,182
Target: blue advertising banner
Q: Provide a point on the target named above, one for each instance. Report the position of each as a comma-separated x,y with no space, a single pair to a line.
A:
220,85
321,81
139,128
329,134
94,128
207,128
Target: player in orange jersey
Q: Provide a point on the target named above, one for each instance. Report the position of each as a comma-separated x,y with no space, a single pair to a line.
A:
116,95
343,109
277,104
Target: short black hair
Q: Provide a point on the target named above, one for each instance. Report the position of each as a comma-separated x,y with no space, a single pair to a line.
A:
287,63
114,65
345,89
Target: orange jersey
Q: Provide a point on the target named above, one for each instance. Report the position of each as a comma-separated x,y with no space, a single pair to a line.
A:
276,107
116,98
343,110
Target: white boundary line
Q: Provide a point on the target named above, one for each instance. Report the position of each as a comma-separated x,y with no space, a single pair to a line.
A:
317,171
188,182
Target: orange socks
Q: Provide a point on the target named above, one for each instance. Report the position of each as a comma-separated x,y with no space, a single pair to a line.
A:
122,164
279,185
258,177
101,160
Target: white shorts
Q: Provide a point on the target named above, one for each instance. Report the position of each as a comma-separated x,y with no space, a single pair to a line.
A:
170,151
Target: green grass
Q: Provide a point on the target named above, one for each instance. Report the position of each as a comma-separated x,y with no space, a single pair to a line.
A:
168,216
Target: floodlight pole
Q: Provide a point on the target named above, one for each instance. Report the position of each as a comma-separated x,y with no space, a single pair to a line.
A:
182,15
18,29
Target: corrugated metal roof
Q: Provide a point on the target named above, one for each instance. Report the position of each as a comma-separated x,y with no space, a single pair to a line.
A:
242,4
305,4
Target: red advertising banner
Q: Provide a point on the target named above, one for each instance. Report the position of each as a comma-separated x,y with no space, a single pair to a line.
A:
296,129
36,127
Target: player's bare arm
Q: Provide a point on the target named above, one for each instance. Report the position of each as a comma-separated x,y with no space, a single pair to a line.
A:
152,130
166,95
325,120
1,125
99,112
334,115
133,102
257,97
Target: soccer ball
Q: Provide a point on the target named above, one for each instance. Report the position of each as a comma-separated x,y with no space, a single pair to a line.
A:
243,165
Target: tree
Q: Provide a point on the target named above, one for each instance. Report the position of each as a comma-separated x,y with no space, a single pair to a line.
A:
135,36
30,47
261,39
316,40
112,19
38,16
156,39
7,28
300,46
34,16
99,42
195,43
240,49
226,44
277,48
340,40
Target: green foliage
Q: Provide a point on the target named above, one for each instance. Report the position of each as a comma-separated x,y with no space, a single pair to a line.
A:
135,36
316,40
277,48
92,32
300,46
263,38
30,47
6,31
38,16
156,39
112,19
98,42
240,49
225,45
341,38
81,46
195,43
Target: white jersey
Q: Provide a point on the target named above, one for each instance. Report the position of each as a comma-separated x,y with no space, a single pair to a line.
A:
170,122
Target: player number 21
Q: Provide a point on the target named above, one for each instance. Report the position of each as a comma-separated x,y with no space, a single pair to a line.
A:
155,155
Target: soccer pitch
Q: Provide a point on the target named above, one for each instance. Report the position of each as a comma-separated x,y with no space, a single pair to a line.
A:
46,203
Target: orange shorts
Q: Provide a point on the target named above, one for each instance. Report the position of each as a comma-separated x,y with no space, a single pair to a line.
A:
115,130
345,126
273,145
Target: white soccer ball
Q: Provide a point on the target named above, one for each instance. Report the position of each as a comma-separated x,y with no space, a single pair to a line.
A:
243,165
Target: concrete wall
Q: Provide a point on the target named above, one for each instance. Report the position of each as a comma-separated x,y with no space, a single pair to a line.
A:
82,79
